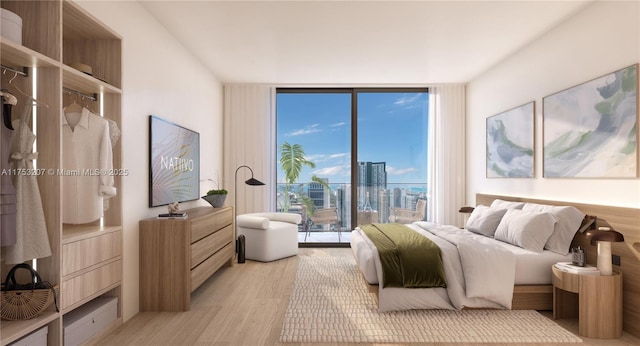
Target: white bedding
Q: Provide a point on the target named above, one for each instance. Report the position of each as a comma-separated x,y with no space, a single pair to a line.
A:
487,283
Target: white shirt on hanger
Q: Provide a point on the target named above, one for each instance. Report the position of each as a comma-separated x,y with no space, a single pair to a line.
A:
87,164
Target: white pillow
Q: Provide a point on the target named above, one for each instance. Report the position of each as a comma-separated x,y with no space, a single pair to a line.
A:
250,221
485,220
502,204
528,230
569,221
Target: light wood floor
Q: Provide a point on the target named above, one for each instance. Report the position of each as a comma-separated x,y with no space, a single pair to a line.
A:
245,305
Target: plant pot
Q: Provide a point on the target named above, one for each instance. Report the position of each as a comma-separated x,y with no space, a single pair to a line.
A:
216,201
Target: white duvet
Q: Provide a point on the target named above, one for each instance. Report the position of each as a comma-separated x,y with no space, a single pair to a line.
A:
480,273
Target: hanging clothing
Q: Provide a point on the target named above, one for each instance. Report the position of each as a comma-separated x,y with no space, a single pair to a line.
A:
7,191
114,132
87,166
114,135
8,101
32,240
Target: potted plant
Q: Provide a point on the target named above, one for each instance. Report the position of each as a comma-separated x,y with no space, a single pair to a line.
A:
217,196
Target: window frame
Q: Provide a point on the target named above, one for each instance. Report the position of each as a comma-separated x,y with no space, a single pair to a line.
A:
354,91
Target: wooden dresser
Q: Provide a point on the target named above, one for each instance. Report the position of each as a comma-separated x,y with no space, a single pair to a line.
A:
178,255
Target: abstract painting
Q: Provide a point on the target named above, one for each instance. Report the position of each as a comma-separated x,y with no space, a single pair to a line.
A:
590,130
174,163
510,143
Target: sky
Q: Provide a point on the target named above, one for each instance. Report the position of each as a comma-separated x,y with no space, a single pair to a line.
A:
392,128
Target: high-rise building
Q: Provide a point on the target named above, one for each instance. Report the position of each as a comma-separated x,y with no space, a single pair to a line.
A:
372,178
384,207
343,201
319,194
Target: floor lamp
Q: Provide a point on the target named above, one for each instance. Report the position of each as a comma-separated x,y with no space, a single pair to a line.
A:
251,182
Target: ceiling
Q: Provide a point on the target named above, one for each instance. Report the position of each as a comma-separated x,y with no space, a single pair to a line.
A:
356,42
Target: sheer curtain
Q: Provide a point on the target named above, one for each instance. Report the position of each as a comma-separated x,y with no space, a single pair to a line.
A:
249,139
446,160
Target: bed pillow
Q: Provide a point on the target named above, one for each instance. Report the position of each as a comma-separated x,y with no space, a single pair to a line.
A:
502,204
528,230
569,221
485,220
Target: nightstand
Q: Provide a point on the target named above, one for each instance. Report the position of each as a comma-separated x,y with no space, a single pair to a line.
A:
595,299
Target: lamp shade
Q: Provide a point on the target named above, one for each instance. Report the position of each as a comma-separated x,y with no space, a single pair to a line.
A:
253,182
608,236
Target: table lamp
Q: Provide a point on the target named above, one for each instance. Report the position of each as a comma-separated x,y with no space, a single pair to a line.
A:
604,236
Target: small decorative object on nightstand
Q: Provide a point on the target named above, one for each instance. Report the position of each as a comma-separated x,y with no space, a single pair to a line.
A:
595,299
604,236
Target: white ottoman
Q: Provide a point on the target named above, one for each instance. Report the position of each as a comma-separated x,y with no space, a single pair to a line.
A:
269,236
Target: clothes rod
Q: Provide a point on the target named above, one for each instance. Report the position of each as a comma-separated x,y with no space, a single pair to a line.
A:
23,73
92,97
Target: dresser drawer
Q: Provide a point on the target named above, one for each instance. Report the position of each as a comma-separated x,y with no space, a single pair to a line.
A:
203,248
204,226
84,253
202,272
89,284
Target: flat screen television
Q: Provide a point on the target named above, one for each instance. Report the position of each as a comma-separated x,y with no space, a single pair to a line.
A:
174,163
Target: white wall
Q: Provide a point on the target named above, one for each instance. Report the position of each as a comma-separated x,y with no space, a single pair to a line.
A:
161,78
601,39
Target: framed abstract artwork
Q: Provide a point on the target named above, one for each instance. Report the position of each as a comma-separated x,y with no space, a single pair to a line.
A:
174,163
590,130
510,138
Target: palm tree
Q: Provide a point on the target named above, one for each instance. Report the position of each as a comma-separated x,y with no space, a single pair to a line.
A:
292,160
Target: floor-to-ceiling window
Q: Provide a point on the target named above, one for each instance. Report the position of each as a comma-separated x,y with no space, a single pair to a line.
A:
351,156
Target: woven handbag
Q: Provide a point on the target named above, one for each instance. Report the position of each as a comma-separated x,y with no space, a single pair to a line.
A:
25,301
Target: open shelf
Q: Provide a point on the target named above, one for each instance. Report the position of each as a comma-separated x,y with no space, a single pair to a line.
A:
14,330
86,84
18,56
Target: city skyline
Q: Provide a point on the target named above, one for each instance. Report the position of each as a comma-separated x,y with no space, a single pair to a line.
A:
392,128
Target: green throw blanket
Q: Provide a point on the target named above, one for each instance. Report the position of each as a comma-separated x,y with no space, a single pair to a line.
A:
408,258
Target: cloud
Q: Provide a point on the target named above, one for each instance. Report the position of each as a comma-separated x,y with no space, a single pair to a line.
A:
333,170
338,124
409,101
316,157
339,155
395,171
327,157
305,131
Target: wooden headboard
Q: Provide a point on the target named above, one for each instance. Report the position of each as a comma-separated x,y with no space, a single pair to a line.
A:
621,219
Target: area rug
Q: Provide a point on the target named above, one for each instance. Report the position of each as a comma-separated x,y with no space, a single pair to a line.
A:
331,302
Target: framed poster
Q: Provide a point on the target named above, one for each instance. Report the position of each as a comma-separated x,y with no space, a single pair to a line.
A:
590,130
510,139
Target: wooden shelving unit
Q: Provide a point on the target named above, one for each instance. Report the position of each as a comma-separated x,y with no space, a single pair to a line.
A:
57,33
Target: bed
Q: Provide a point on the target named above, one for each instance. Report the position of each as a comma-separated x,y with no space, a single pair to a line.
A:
482,271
